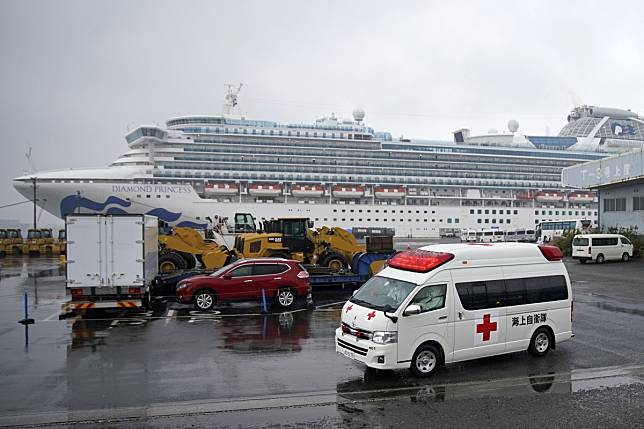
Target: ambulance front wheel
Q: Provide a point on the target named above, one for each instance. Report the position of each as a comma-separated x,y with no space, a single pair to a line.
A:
425,361
540,343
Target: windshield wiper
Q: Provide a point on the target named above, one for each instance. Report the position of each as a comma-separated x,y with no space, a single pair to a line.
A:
389,308
359,302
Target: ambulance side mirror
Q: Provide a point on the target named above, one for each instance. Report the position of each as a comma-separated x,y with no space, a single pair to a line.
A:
411,310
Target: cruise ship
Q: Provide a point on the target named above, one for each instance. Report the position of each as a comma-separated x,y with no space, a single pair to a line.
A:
341,173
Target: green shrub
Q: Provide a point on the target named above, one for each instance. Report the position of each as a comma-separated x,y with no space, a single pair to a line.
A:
564,242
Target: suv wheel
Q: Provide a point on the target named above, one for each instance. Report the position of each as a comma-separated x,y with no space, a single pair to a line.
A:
204,300
625,257
285,297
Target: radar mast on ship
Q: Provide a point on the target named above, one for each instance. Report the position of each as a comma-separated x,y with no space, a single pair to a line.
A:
230,103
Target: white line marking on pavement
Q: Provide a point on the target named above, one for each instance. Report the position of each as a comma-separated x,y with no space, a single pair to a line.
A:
169,316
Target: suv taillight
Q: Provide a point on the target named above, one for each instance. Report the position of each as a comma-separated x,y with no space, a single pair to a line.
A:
303,275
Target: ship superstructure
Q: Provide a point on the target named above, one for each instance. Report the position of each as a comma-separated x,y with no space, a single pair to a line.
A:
336,172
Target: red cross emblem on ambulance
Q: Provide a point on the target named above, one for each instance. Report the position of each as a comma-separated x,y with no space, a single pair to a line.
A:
486,327
371,315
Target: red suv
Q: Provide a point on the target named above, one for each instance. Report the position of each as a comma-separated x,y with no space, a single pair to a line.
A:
283,281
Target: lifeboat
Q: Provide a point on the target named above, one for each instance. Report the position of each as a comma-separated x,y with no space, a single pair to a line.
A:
301,191
580,197
548,196
387,192
221,189
265,190
348,191
524,195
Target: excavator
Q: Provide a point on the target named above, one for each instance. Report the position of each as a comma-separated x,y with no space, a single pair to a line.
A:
291,238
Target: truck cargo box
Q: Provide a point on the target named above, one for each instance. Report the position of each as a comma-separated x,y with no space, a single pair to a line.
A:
111,260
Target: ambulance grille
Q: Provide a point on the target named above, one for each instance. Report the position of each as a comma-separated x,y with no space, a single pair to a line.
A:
356,332
359,350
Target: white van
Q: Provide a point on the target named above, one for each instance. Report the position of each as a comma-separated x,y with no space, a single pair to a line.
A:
453,302
601,247
498,236
468,236
487,237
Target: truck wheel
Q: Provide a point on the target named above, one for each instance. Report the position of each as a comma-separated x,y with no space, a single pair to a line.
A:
285,297
600,259
540,343
189,259
171,262
425,361
335,261
204,300
625,257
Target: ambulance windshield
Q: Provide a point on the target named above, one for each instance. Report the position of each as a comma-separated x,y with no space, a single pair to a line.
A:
379,292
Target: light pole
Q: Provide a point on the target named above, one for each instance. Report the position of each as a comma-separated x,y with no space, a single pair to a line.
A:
33,182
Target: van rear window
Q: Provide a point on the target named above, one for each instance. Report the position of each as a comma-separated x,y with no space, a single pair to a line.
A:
509,292
580,241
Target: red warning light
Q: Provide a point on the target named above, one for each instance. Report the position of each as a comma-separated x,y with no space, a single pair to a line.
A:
420,261
551,253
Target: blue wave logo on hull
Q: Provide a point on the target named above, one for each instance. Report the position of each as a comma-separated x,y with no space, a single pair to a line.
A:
71,203
164,214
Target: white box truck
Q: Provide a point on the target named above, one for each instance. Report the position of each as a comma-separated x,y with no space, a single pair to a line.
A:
111,260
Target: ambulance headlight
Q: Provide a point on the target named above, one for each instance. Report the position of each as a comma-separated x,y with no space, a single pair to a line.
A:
385,337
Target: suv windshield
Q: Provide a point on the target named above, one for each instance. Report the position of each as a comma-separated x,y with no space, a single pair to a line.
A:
380,292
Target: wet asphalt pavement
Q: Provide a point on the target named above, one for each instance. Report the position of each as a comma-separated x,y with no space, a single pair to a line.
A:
173,367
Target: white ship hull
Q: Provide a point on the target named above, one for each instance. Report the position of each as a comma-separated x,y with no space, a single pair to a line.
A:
181,205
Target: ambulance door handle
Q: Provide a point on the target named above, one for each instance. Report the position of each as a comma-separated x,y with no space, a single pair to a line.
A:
442,317
460,315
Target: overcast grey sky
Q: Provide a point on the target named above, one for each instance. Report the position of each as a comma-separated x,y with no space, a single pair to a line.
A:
76,74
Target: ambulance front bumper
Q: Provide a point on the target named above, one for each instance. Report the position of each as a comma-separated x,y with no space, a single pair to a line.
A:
380,356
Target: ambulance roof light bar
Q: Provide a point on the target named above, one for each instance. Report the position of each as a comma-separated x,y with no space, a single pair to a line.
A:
420,261
551,253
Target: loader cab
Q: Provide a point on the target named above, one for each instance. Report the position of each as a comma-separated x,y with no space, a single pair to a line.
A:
34,234
61,235
244,222
47,235
294,233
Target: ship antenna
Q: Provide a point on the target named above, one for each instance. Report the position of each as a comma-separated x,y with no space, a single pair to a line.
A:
230,101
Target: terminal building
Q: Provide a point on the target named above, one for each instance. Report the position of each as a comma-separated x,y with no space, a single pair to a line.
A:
619,182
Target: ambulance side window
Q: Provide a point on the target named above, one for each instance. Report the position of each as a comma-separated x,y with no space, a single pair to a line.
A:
430,298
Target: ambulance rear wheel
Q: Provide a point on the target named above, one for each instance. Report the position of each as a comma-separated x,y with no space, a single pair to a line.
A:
540,343
425,361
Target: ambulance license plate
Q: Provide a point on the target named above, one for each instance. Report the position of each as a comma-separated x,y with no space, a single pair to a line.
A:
349,354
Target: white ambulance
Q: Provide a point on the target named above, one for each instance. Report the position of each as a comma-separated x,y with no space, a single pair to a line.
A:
453,302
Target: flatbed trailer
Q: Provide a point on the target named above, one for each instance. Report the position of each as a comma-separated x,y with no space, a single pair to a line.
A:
164,285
